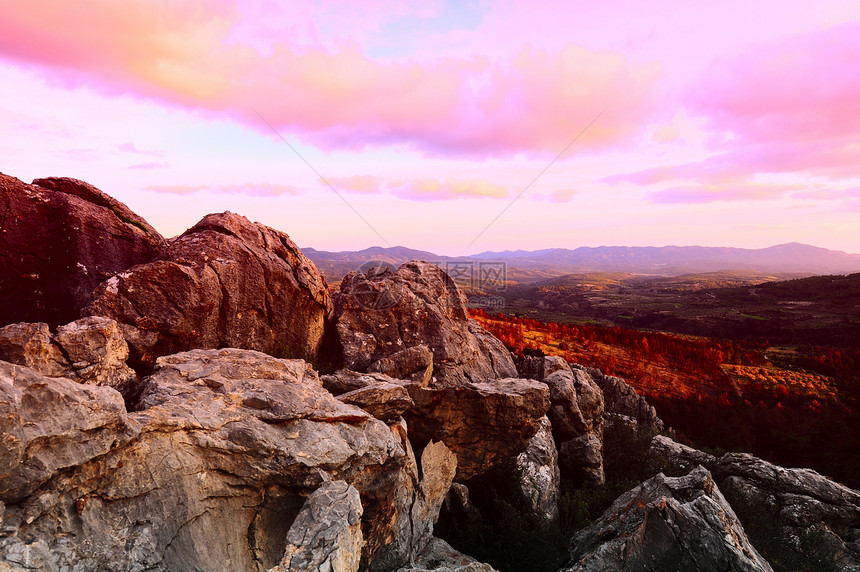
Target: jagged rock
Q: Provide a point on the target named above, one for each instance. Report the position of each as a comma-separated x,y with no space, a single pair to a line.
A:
403,522
381,313
326,534
621,398
230,444
539,475
385,401
50,424
226,282
795,516
91,350
438,467
582,457
667,523
576,413
414,364
483,423
439,556
345,380
60,238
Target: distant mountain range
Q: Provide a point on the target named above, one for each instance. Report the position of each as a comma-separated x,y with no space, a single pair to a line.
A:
524,265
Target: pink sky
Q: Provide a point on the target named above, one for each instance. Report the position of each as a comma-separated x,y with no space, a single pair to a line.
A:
720,123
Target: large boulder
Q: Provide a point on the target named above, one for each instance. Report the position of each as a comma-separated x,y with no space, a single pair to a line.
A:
576,413
381,313
796,517
209,474
226,282
59,239
667,523
90,350
484,424
48,425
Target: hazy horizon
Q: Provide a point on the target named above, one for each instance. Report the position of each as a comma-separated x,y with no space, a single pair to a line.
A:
449,127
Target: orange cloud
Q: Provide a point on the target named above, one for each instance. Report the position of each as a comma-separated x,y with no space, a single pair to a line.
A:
365,184
449,189
183,53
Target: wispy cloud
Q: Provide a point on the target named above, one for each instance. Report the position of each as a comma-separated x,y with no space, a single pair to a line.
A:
150,165
248,189
715,193
131,148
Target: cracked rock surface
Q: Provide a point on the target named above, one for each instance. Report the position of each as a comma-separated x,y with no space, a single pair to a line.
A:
227,446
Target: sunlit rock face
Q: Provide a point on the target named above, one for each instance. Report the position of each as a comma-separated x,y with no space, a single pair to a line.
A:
226,282
381,313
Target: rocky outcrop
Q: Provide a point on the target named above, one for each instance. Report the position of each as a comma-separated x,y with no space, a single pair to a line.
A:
381,313
482,423
667,523
226,282
227,445
621,399
796,517
60,238
91,350
439,556
576,414
326,534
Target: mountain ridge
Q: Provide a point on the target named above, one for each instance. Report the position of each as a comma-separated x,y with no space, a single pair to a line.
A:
522,265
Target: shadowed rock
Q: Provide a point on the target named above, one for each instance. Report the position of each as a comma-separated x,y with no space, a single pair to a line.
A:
59,239
381,313
622,399
482,423
667,523
576,413
439,556
226,282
